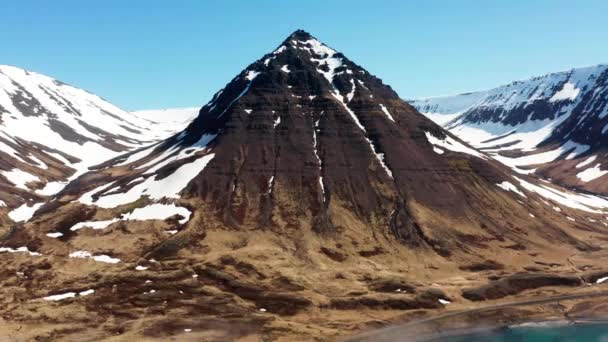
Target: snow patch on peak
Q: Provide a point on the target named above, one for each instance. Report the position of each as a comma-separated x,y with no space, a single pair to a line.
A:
568,92
279,50
385,111
251,75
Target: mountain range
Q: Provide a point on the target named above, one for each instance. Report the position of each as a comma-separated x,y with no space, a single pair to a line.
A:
50,133
305,201
554,126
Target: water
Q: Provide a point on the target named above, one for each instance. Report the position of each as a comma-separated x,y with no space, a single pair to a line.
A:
565,333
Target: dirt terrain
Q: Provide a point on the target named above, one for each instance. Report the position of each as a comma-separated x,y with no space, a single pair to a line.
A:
305,202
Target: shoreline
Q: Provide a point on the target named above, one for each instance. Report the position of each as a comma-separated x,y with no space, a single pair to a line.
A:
516,315
464,332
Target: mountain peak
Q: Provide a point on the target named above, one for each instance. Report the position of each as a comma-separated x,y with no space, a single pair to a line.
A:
305,125
300,35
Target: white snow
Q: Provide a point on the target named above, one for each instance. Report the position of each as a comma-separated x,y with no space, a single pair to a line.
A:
54,235
138,154
24,212
508,186
39,163
270,184
601,280
385,111
67,295
277,121
51,188
18,250
19,178
438,150
586,162
2,203
10,150
86,293
74,108
140,268
99,258
322,187
545,157
443,109
339,97
93,224
351,94
251,75
444,302
285,68
442,119
279,50
158,211
493,135
573,200
451,144
178,152
62,296
568,92
155,211
239,96
167,121
591,173
248,111
168,187
380,158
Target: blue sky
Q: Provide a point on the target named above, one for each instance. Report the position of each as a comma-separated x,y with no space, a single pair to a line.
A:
160,54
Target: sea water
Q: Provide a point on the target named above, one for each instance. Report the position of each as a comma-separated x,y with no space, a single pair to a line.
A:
540,333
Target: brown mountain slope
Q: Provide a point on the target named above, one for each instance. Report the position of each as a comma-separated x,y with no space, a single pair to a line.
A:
306,188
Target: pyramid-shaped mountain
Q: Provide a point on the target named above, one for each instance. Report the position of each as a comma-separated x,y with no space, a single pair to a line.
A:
305,138
305,187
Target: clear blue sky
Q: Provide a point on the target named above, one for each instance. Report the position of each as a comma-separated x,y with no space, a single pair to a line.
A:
158,54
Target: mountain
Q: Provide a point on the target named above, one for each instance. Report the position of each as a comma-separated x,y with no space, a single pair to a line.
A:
169,120
305,188
554,125
51,132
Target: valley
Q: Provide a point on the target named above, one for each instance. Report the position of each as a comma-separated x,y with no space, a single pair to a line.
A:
305,201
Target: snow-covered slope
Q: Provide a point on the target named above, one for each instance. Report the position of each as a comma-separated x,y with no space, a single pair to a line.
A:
445,109
168,121
548,125
51,132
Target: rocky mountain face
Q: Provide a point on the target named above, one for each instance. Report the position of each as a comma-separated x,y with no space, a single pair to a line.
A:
306,186
554,125
51,133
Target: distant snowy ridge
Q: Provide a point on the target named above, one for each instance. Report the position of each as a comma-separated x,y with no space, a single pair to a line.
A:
51,132
541,125
172,119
